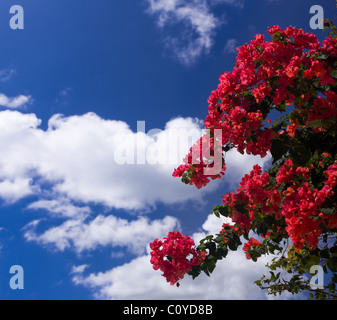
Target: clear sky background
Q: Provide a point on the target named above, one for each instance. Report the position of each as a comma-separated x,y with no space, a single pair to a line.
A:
73,84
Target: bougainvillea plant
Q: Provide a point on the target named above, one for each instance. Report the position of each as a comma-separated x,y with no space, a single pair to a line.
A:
290,210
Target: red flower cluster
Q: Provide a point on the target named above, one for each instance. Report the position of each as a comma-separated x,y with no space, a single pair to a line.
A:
327,191
204,155
228,226
265,77
295,202
299,203
252,195
301,207
175,256
288,171
318,70
252,243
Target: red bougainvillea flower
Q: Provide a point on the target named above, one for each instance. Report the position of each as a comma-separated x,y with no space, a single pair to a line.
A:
260,82
175,256
252,243
295,202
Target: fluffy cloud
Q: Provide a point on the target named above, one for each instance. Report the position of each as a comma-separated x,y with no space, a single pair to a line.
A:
235,3
199,24
13,102
89,159
79,235
84,159
61,207
13,190
92,160
230,46
6,74
238,165
233,278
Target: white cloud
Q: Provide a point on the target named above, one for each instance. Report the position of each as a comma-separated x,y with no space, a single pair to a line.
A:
230,46
233,278
79,235
14,102
199,26
80,158
235,3
63,97
79,269
60,207
6,74
13,190
18,158
238,165
76,157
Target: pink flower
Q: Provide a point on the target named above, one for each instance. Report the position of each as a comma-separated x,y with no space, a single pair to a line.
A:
252,243
175,256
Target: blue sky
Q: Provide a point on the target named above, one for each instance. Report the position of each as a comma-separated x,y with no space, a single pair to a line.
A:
73,84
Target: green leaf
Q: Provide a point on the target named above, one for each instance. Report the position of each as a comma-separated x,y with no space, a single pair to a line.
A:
185,179
300,154
281,107
232,245
246,236
222,210
278,149
211,246
328,211
324,254
314,260
223,251
225,211
219,238
333,250
216,213
241,208
315,124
